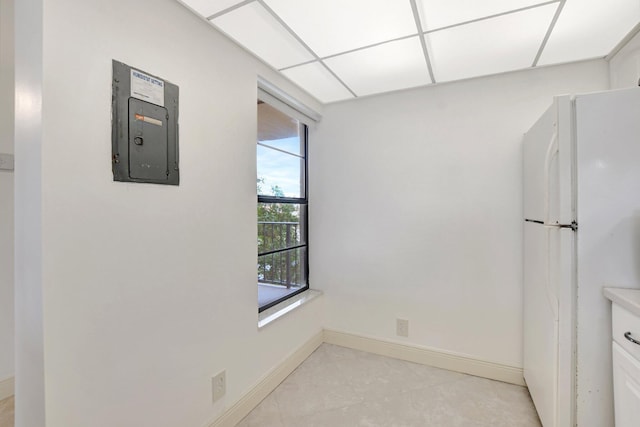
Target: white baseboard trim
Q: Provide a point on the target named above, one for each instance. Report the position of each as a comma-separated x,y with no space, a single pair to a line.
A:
249,401
7,388
426,356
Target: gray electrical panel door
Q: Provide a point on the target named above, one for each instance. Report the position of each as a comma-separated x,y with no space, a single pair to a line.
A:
144,127
148,157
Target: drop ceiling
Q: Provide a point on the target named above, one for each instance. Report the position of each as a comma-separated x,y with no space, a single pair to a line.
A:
343,49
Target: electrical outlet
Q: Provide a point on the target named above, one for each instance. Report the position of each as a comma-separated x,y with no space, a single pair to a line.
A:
219,383
402,327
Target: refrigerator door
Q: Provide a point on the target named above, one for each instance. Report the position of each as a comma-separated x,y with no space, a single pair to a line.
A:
548,160
608,249
538,142
562,252
548,321
540,323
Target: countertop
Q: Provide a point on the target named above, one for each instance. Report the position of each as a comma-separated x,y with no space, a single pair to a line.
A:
629,299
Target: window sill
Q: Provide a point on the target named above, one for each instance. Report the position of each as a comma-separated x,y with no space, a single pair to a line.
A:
277,311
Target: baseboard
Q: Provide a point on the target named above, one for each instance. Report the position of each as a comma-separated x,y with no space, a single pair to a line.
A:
6,388
265,386
426,356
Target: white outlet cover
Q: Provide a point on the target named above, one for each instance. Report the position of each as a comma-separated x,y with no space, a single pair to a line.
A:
6,162
219,385
402,327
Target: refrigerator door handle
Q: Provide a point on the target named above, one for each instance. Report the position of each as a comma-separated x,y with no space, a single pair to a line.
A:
552,297
552,150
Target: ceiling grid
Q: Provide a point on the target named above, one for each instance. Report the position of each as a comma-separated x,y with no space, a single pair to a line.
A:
299,65
297,37
549,31
495,15
369,46
229,9
416,16
341,49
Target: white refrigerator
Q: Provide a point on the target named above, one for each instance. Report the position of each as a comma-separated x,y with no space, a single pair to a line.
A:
581,233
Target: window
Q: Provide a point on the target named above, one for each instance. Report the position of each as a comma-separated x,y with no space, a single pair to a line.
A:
282,204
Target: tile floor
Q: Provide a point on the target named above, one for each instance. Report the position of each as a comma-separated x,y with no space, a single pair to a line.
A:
340,387
6,412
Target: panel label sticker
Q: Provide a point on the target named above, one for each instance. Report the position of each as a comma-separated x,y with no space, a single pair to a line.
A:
147,88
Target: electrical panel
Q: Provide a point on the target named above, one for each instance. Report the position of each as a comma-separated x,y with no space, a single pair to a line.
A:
144,127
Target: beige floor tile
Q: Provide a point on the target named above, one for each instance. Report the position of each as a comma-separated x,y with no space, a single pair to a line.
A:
340,387
475,401
6,412
311,393
267,414
394,412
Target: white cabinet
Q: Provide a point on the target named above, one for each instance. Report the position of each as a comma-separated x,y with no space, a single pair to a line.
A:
626,388
626,355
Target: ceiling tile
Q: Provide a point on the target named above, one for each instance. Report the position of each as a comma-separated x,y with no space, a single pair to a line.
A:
335,26
589,29
506,43
253,27
319,82
442,13
390,66
207,8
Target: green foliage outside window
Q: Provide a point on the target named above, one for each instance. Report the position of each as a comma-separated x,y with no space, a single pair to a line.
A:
278,228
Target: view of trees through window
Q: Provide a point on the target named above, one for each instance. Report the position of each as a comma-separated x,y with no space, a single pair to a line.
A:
282,206
279,228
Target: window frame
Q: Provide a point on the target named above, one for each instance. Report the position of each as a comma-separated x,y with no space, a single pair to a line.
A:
302,201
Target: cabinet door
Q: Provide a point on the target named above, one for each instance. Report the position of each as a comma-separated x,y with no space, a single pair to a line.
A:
626,388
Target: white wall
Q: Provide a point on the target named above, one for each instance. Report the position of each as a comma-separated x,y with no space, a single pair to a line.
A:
29,338
417,209
6,191
150,290
624,67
